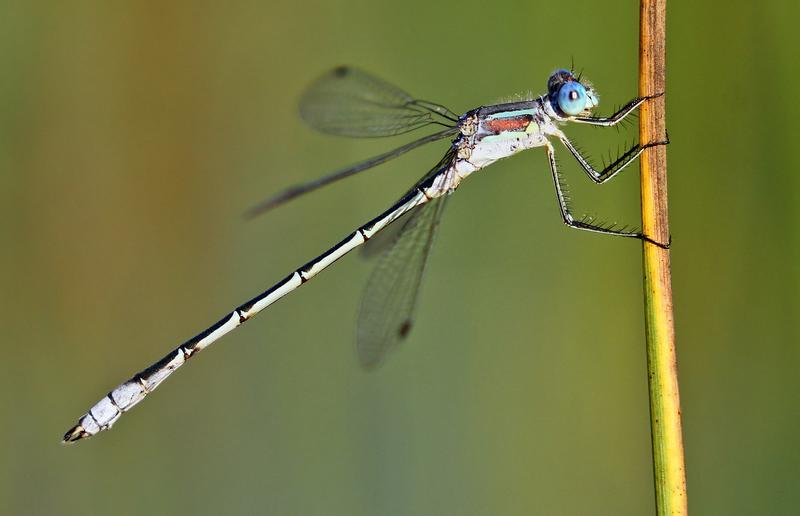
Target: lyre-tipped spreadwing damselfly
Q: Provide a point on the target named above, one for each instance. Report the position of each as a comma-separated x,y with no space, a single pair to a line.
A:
349,102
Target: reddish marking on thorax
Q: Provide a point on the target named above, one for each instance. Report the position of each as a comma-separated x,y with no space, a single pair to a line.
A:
517,123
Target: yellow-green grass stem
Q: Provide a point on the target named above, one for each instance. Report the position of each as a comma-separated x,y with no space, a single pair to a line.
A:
662,373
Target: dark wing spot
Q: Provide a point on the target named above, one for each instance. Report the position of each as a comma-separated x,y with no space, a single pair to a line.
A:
341,71
404,329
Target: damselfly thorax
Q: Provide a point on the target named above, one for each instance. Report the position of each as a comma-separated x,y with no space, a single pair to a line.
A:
492,133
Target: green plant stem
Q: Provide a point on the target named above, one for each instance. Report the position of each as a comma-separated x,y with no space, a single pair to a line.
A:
662,373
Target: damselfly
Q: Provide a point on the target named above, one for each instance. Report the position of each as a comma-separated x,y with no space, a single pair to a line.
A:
352,103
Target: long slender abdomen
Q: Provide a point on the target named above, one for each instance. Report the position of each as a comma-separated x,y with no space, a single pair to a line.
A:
110,408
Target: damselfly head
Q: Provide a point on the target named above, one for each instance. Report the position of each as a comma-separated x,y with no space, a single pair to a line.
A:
569,95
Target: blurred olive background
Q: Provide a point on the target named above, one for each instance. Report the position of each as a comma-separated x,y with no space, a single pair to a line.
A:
134,134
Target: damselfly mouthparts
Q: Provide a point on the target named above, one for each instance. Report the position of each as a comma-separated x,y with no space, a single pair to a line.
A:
352,103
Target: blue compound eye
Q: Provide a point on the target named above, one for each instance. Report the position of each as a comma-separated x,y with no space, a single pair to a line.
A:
572,98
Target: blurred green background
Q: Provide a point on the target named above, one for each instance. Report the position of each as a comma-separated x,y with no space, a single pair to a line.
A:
134,134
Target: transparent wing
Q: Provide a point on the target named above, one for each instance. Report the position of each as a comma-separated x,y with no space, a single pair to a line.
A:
382,241
387,307
379,243
304,188
349,102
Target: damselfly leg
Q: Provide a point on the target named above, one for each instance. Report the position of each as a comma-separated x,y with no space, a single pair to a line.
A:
601,176
586,223
613,168
618,116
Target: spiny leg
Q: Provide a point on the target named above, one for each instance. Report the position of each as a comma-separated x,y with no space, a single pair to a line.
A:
616,117
585,222
612,168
